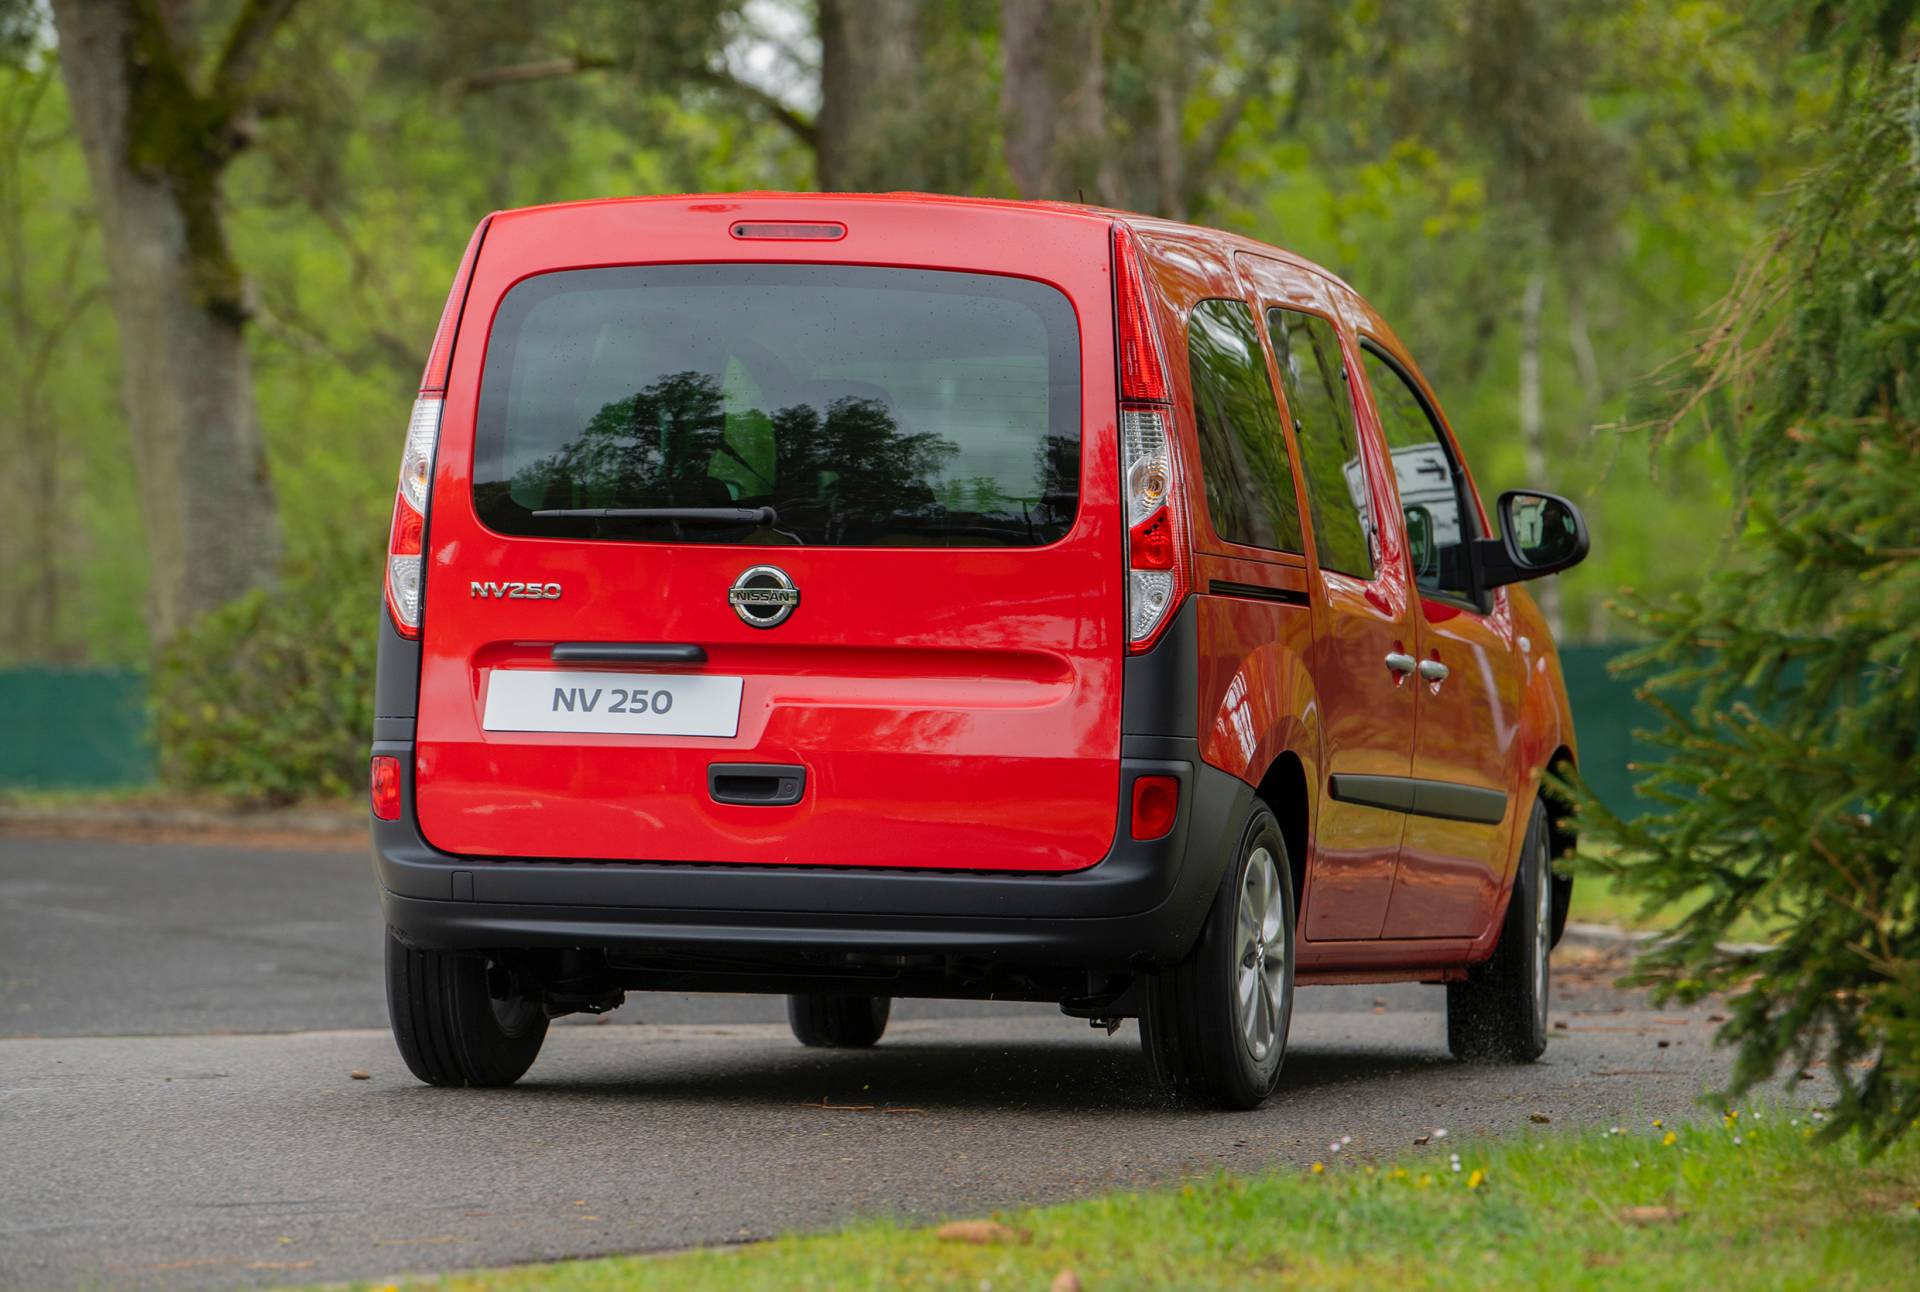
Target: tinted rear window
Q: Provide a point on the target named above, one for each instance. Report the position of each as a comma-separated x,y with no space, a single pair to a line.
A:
868,407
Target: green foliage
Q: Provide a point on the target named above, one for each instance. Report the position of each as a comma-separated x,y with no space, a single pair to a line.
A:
270,698
1790,777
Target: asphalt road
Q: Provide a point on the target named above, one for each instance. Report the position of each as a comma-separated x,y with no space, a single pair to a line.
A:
177,1026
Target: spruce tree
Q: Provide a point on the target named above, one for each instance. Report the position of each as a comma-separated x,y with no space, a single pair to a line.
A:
1788,790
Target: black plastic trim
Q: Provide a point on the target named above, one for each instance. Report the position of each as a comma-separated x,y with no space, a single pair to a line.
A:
1446,800
628,653
1257,592
396,675
1159,690
1142,905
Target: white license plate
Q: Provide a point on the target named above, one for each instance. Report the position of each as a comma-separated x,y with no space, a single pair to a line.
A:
639,704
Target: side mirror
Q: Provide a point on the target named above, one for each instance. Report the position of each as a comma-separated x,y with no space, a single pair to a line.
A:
1426,558
1540,534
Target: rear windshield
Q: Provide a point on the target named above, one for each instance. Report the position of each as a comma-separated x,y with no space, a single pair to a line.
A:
781,404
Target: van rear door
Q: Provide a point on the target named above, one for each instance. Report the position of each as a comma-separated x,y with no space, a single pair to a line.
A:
778,550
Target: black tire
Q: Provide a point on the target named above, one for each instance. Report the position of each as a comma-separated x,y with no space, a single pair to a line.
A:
450,1029
838,1022
1499,1014
1202,1047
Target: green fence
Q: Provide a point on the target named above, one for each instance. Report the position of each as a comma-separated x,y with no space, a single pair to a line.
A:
1605,715
87,728
72,728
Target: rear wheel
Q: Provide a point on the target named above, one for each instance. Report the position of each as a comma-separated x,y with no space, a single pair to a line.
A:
1499,1013
838,1022
1215,1027
452,1029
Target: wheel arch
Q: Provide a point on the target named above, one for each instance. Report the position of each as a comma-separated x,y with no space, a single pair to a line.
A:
1562,834
1283,788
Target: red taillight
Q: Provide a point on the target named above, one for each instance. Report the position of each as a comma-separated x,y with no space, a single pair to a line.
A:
1143,376
1157,563
408,529
385,780
1150,544
1156,804
406,556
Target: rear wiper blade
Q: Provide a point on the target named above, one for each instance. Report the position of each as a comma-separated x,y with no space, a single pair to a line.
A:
706,515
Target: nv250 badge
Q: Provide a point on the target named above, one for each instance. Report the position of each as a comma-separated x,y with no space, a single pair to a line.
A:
514,591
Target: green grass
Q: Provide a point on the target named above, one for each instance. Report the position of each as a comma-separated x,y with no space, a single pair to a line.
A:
1768,1209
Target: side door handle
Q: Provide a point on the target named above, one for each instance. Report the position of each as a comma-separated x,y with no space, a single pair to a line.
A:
1400,663
1434,671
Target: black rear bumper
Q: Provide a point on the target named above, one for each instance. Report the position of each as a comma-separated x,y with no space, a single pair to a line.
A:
1140,907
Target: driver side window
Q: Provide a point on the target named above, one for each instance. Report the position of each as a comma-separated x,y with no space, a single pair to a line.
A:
1440,520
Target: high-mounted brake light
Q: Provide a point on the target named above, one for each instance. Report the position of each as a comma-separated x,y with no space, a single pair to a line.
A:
791,232
1157,562
406,554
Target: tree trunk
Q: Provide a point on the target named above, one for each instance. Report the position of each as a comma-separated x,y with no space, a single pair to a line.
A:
1029,99
1533,431
869,87
1053,98
155,149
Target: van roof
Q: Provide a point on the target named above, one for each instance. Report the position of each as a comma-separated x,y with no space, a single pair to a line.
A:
711,203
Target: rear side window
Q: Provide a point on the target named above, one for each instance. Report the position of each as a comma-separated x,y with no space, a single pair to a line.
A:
1315,376
1249,482
866,407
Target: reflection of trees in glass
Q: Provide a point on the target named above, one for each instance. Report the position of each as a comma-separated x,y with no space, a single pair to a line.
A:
651,449
842,474
1249,483
1314,373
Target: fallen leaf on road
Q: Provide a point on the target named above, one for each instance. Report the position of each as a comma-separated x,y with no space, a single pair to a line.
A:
1421,1141
986,1233
1649,1215
1539,1119
361,1074
1066,1281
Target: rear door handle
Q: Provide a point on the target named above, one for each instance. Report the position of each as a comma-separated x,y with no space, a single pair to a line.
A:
756,784
1400,663
1434,671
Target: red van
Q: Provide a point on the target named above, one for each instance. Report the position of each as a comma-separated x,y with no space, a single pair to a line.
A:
861,597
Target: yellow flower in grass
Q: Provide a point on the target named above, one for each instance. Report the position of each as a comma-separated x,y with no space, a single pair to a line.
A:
1477,1179
1670,1139
1319,1168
